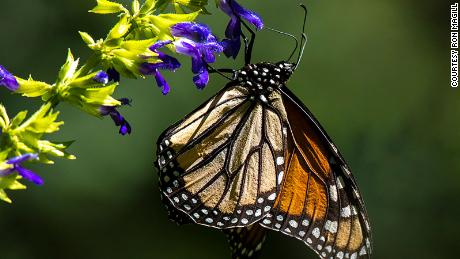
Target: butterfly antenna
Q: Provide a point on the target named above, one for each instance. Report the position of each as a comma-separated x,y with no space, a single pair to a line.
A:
303,41
289,35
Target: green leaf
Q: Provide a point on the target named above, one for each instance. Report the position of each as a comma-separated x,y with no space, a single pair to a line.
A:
18,119
148,6
9,182
68,69
193,5
31,88
107,7
163,22
87,38
4,119
135,6
120,29
42,121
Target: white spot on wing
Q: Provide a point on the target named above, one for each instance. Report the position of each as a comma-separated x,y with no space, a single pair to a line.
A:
345,212
279,160
280,177
263,98
333,193
315,232
293,223
272,197
331,226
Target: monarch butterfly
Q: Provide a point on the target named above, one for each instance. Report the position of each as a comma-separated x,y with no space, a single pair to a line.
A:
254,158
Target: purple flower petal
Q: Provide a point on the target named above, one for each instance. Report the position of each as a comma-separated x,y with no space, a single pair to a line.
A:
231,47
29,175
193,31
113,75
105,110
125,101
101,77
233,29
25,173
202,79
188,48
238,10
159,44
198,65
161,82
117,118
125,128
21,158
171,63
8,80
5,172
200,44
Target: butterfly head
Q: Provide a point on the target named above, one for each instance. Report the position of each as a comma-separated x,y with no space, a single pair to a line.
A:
265,76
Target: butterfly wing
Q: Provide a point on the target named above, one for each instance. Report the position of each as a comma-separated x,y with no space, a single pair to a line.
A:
246,242
319,201
218,165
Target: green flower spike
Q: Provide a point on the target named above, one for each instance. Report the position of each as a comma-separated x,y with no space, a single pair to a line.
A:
82,91
19,136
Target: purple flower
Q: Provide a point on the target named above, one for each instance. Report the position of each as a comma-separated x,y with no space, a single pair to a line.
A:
113,74
119,120
8,80
166,63
199,43
101,77
25,173
233,32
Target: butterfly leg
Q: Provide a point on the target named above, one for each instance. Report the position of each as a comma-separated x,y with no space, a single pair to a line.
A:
221,71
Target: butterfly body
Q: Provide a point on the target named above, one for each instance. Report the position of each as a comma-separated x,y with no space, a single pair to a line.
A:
254,154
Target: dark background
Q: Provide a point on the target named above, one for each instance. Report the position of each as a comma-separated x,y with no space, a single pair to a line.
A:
375,73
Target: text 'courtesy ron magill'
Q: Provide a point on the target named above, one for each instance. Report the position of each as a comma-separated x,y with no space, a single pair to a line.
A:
454,45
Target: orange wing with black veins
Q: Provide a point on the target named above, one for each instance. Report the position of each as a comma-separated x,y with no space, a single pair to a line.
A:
318,201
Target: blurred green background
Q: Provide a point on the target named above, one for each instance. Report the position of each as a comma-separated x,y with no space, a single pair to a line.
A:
375,73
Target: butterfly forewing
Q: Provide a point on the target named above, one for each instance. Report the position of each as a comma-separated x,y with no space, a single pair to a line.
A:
220,164
319,202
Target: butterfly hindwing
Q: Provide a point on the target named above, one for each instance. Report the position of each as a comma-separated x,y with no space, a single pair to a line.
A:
218,165
246,242
318,202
